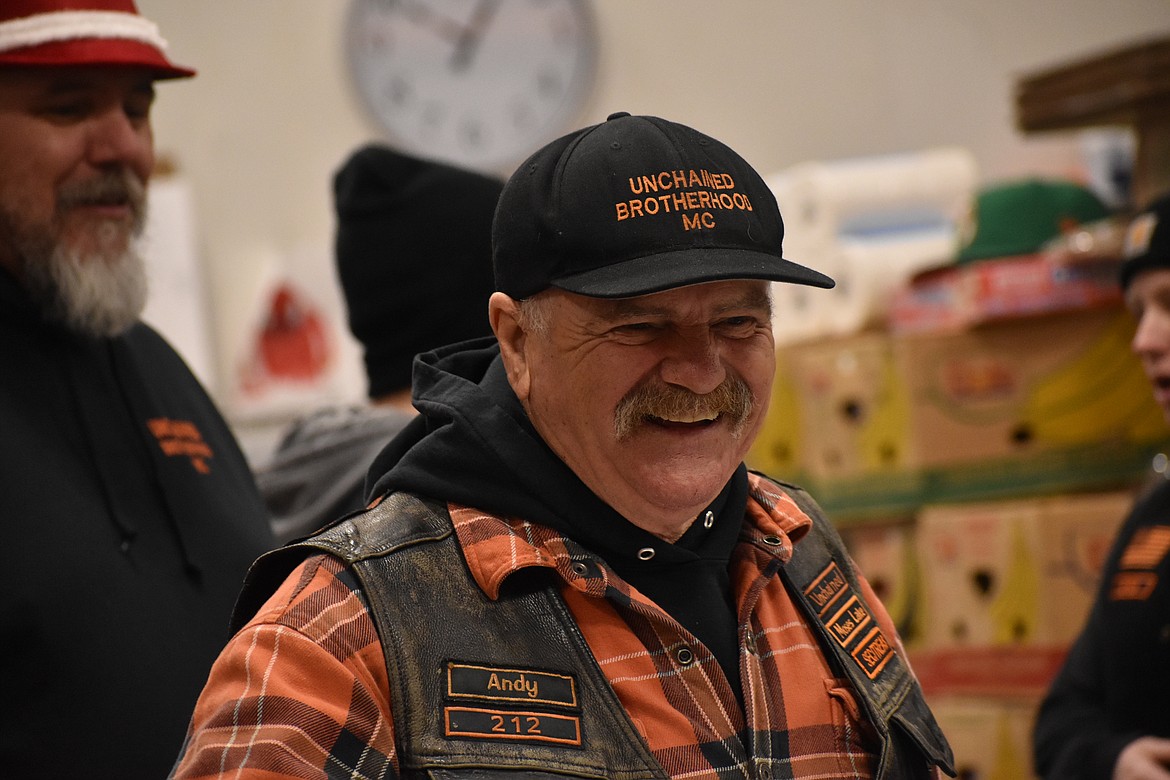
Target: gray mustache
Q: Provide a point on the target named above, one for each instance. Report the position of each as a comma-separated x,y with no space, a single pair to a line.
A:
116,186
732,398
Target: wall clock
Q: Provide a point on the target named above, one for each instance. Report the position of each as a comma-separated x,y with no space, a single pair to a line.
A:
480,83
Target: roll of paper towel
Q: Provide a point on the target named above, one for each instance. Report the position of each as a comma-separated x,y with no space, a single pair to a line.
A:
870,223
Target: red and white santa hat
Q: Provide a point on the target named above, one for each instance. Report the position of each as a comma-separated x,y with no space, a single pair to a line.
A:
82,32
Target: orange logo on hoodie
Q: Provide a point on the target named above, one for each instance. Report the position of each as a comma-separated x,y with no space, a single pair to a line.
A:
1136,579
182,438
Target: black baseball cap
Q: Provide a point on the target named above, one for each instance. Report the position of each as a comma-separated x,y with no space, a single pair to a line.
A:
637,205
1147,241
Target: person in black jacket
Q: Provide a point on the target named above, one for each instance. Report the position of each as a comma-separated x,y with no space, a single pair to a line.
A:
414,257
1107,713
129,513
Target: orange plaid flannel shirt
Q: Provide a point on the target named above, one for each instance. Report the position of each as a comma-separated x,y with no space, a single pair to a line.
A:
301,691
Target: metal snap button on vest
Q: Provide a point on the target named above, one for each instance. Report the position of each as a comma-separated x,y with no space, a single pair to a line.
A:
765,773
750,642
684,656
646,553
580,569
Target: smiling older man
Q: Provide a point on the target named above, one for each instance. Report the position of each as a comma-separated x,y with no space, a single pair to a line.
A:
130,515
567,570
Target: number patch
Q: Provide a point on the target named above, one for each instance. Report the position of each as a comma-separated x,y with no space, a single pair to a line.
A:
511,725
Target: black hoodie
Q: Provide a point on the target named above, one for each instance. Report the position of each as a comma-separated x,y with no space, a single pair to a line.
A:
130,519
474,444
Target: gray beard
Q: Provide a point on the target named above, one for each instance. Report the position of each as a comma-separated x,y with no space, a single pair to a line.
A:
93,295
99,293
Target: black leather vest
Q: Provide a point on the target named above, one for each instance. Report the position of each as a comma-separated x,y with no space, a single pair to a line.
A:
541,707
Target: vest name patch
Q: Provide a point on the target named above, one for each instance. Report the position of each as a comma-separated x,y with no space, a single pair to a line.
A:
873,653
827,587
527,685
848,620
511,725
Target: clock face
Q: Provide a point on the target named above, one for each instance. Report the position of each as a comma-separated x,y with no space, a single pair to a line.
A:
481,83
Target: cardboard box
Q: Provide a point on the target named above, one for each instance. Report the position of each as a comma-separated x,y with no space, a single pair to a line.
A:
838,424
1013,573
1001,670
853,414
778,449
854,408
877,424
1075,535
961,296
885,554
1055,403
990,737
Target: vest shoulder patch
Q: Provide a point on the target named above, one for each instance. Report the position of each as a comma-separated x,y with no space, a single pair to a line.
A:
848,620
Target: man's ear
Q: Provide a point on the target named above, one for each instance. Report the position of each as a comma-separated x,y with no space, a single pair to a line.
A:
504,316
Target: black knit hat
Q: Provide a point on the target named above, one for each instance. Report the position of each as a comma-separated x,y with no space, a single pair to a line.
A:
413,255
1147,241
636,205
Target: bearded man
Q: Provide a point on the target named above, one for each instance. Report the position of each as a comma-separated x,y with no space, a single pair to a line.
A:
130,512
568,571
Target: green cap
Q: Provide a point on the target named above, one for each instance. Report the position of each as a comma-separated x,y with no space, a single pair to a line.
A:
1019,217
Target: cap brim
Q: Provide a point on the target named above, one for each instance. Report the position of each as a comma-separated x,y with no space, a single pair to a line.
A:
665,271
96,52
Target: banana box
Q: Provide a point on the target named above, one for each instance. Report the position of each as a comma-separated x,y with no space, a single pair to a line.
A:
1052,402
778,448
854,410
1076,533
991,737
852,423
884,553
1019,573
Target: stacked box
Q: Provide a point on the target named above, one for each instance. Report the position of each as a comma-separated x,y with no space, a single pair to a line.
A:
1049,403
1075,536
991,737
853,417
778,449
884,553
876,424
956,297
854,411
1020,572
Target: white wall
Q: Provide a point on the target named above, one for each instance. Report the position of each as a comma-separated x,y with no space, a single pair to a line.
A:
270,116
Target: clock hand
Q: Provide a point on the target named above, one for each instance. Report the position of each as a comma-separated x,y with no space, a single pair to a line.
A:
425,16
468,42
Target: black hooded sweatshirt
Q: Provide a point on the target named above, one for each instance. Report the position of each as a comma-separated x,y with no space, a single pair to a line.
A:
130,519
1115,686
474,444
